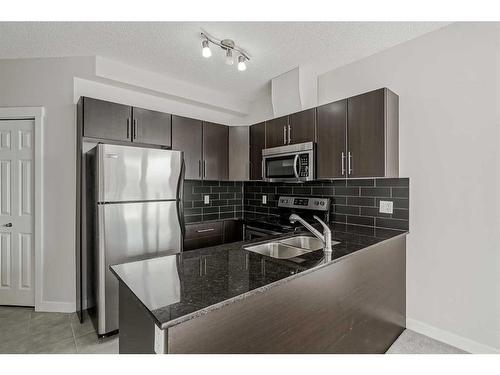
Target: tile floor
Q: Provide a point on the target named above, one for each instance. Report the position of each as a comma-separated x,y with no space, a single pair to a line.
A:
22,330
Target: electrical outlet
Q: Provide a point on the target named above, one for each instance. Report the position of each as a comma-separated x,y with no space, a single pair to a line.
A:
264,199
385,207
206,199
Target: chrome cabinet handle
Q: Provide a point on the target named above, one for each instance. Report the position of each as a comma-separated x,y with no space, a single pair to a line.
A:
205,230
134,130
204,169
203,266
349,162
284,135
128,128
343,162
8,225
199,168
289,134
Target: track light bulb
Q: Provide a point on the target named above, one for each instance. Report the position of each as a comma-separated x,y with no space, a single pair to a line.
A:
205,51
242,66
229,57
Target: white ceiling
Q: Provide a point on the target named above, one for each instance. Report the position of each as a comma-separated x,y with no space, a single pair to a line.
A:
174,48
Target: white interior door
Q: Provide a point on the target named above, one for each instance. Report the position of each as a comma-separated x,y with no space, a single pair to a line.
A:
17,258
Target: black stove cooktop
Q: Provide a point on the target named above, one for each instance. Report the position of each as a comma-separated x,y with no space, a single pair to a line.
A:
273,223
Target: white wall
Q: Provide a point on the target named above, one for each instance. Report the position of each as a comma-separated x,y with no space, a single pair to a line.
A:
49,83
56,84
448,82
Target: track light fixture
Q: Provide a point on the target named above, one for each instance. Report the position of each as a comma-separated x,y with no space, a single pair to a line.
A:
228,46
205,51
242,66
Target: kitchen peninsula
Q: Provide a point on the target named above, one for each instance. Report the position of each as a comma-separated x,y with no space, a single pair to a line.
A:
225,299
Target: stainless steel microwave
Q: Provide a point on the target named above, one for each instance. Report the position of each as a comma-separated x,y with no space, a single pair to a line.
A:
292,163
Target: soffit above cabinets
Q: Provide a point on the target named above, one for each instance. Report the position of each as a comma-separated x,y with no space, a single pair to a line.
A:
173,48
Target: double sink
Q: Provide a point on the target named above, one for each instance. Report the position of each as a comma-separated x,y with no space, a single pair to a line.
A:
289,247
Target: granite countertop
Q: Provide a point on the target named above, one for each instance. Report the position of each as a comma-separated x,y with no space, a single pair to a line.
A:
176,288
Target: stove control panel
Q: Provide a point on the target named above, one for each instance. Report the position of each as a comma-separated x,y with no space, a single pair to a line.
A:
305,203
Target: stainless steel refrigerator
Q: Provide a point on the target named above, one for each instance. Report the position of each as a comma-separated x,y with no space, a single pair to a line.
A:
139,214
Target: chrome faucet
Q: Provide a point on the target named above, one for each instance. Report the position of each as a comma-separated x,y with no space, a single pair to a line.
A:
326,237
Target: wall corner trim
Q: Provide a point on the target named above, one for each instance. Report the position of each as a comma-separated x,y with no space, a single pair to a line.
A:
51,306
449,338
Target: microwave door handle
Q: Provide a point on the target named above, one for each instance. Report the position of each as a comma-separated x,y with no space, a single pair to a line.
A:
295,172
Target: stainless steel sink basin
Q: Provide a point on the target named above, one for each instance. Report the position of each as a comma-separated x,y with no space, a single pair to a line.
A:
305,242
277,250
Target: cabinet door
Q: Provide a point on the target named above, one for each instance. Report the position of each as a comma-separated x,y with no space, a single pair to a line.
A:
187,137
151,127
332,136
365,134
199,235
233,231
257,143
302,125
276,132
215,151
106,120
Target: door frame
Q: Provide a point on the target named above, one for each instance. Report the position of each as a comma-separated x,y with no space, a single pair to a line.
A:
37,114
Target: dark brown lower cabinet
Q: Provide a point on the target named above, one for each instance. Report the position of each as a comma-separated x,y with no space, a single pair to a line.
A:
200,235
212,233
233,231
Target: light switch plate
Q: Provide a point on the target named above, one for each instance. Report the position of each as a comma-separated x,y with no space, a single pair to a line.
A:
386,207
206,199
264,199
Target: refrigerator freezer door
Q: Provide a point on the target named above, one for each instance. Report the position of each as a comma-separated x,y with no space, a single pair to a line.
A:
128,232
137,174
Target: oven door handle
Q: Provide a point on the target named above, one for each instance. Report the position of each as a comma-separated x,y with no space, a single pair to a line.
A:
295,172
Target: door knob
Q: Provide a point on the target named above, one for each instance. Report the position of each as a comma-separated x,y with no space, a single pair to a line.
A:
8,225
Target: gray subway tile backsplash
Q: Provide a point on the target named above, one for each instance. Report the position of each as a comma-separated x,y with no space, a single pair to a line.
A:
354,201
226,199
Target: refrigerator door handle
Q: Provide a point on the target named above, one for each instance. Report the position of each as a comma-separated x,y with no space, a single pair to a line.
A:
180,200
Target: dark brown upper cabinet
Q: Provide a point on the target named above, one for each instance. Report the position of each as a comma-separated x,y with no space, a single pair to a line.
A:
292,129
187,137
215,151
151,127
276,132
332,140
106,120
301,126
257,143
372,134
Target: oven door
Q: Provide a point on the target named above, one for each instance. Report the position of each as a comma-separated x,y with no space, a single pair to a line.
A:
252,233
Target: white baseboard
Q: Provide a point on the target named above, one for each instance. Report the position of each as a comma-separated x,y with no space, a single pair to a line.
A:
50,306
450,338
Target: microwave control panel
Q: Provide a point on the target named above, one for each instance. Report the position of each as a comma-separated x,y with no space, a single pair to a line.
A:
303,167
